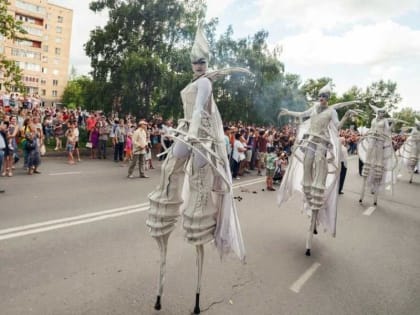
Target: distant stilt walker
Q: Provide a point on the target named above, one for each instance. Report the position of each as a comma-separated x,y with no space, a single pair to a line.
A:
377,154
314,165
410,151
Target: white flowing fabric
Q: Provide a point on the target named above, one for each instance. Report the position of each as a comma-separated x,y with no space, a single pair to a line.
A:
410,151
227,235
389,161
292,181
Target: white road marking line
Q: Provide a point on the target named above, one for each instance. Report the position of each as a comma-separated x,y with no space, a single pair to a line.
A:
248,183
295,287
67,224
65,173
369,210
85,218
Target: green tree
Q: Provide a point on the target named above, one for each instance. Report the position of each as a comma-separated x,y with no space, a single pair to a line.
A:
406,114
312,86
10,29
255,99
136,55
76,92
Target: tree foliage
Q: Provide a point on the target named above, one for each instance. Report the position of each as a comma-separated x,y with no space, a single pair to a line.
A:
137,52
140,62
406,114
10,29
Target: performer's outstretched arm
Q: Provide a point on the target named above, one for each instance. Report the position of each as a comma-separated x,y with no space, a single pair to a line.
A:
300,115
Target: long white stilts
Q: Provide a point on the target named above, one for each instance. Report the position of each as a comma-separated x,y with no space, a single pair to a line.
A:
362,192
163,246
375,198
310,234
411,175
200,259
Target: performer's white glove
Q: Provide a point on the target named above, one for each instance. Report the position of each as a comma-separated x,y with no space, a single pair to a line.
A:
283,112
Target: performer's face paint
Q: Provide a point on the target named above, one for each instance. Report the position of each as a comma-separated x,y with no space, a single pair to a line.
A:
199,67
323,99
381,114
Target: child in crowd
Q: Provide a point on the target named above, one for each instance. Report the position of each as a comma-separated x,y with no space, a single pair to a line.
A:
128,149
270,166
33,155
281,164
71,141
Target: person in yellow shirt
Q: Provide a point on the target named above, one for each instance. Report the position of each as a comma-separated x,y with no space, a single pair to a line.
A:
139,150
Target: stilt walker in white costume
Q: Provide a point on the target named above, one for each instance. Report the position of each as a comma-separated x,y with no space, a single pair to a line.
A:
410,151
378,156
314,166
195,178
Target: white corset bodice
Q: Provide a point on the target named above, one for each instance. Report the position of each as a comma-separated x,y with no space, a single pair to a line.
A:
378,127
188,96
319,122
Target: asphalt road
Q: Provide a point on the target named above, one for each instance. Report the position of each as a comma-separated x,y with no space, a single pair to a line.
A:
73,240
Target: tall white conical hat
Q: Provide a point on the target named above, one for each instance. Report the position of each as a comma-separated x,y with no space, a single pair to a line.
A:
326,89
200,51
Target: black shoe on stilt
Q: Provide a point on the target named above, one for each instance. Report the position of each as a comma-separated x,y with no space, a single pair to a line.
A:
308,252
158,306
197,304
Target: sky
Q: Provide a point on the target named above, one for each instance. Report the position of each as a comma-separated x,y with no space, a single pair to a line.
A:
354,42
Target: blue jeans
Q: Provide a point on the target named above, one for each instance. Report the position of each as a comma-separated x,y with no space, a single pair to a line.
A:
1,158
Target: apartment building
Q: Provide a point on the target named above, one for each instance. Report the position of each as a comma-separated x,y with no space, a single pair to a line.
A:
43,53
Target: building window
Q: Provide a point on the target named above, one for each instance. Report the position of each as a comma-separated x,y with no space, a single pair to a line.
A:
57,51
45,48
32,30
56,72
26,53
58,29
43,92
58,40
28,19
56,61
43,81
28,43
55,82
30,79
60,19
29,7
46,26
54,93
44,70
28,66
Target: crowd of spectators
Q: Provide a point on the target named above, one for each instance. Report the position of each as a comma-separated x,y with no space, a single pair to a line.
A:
27,126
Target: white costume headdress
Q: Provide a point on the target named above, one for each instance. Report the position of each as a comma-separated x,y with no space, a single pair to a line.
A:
200,51
326,90
377,109
417,122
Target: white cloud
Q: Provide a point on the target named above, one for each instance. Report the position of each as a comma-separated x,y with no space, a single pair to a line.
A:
84,20
364,54
328,14
216,7
385,42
